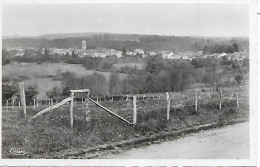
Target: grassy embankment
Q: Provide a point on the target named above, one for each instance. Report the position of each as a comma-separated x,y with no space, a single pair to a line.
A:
51,132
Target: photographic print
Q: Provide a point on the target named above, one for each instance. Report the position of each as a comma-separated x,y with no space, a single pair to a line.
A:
126,81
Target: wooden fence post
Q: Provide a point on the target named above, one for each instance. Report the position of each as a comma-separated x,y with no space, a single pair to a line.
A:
22,97
71,109
220,99
19,103
34,103
112,99
87,111
134,114
168,109
37,102
196,101
75,102
82,100
12,104
51,101
97,99
143,96
237,99
167,96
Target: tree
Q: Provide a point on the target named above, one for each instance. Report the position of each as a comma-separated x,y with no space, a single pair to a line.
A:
130,84
26,53
65,91
124,52
46,52
211,72
30,94
155,64
181,75
115,84
162,81
239,78
73,55
98,84
235,47
8,90
90,63
5,55
54,93
234,64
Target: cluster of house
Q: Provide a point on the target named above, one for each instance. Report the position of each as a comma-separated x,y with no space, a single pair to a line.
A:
103,52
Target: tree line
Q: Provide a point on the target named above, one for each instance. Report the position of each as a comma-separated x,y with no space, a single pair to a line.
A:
145,42
158,75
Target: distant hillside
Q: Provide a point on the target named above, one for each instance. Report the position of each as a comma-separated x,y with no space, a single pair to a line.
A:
102,36
118,41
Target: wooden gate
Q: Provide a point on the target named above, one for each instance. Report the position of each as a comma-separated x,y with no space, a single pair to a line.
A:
87,111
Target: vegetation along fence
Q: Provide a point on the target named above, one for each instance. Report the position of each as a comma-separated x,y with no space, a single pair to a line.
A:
192,99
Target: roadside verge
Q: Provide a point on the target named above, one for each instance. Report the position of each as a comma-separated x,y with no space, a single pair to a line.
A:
115,148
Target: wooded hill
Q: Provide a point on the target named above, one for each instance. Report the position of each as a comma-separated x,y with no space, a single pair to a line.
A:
129,41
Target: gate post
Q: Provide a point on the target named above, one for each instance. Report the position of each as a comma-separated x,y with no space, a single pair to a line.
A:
220,99
196,101
22,97
134,114
168,109
167,96
87,111
71,109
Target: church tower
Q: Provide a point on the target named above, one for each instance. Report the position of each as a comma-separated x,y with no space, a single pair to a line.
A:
83,45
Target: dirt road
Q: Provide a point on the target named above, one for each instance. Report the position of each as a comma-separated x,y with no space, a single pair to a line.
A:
229,142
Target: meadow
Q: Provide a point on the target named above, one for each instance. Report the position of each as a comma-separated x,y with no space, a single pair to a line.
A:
132,65
52,133
46,75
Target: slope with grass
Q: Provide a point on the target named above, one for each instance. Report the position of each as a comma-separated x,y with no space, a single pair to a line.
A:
51,133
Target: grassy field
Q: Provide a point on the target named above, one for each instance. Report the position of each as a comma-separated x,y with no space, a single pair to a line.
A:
132,65
43,75
52,132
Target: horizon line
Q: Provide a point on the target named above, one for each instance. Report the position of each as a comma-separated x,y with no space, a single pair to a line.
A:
16,36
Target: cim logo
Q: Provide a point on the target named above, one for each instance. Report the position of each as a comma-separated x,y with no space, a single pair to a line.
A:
17,151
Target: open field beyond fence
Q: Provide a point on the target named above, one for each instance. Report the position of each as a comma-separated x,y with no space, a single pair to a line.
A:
51,132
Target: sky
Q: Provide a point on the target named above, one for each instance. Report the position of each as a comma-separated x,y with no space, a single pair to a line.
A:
230,20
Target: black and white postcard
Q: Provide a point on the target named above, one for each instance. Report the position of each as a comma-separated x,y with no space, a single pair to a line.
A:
149,83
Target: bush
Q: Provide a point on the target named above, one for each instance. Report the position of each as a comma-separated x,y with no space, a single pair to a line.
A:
8,90
239,78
